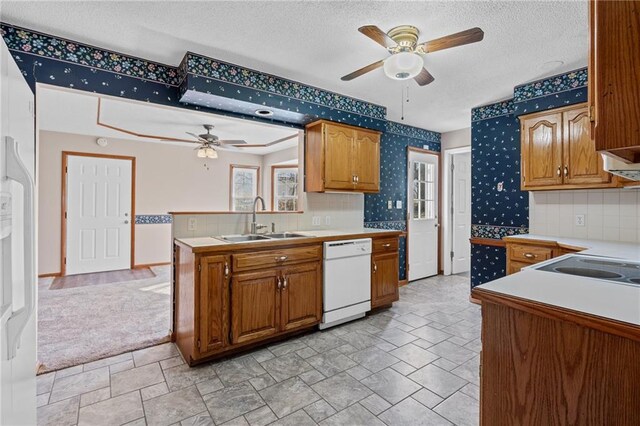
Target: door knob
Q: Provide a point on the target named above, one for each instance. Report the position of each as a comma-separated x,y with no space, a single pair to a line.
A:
437,225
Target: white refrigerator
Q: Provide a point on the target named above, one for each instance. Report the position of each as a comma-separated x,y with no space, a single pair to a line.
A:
18,284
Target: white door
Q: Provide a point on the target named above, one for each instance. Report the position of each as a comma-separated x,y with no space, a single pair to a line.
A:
98,214
461,229
18,291
423,215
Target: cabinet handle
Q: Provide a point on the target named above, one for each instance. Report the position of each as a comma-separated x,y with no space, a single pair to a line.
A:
530,255
353,179
226,269
281,258
566,171
375,267
284,283
279,283
386,245
559,171
357,179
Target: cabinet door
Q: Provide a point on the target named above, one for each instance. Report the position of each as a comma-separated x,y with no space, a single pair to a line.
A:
212,303
384,279
582,163
542,151
366,160
338,171
301,296
255,304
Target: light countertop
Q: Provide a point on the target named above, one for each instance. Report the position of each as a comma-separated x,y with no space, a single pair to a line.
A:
592,296
203,242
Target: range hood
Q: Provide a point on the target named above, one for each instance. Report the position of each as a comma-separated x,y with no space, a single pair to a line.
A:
616,167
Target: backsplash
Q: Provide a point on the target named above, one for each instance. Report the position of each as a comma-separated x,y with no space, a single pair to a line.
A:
344,210
609,214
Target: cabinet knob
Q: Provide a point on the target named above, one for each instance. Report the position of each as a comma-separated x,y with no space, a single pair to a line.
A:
530,255
559,171
226,269
386,245
375,267
279,282
284,283
566,171
281,258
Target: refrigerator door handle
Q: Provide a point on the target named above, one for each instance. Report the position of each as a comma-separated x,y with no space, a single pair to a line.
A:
17,172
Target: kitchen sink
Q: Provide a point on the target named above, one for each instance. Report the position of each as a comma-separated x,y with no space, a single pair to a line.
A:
242,238
286,235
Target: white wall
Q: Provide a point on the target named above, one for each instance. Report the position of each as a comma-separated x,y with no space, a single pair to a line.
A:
168,178
456,139
610,214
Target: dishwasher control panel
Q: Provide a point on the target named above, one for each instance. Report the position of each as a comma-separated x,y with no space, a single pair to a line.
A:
347,248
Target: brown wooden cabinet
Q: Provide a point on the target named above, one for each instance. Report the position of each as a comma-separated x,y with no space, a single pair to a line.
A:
301,296
384,272
558,152
211,299
523,252
614,77
339,157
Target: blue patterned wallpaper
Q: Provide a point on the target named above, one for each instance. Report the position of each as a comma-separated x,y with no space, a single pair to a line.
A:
152,219
499,208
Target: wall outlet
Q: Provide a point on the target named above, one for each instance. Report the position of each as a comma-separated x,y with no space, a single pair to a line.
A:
389,204
315,220
399,204
580,220
193,224
327,220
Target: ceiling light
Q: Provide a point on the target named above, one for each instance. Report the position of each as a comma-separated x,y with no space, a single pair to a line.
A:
264,112
403,65
202,152
211,153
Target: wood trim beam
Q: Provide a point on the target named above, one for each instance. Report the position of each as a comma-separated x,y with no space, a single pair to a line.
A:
488,242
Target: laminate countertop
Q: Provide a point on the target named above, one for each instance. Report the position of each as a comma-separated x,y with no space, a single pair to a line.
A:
606,299
199,244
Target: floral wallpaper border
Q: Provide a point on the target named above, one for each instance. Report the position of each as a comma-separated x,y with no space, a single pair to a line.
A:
36,43
152,219
496,232
497,109
395,225
551,85
413,132
226,72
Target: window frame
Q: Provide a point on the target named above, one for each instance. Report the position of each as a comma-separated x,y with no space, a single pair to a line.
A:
232,167
273,186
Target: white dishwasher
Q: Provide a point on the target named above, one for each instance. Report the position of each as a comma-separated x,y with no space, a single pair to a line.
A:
347,281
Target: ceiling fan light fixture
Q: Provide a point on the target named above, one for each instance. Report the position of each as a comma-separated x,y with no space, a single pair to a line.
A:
403,65
211,153
202,152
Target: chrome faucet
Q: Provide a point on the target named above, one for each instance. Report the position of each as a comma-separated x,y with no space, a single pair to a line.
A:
255,225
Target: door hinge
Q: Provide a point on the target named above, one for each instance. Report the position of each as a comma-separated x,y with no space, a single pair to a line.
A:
230,337
591,114
452,166
65,260
65,215
199,267
198,343
451,254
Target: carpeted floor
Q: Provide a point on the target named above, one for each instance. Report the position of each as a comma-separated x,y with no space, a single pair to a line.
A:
83,324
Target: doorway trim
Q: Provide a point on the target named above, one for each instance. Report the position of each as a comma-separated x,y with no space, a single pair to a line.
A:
63,227
447,218
407,221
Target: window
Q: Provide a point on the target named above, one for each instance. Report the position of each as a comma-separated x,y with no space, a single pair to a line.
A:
284,188
424,185
244,184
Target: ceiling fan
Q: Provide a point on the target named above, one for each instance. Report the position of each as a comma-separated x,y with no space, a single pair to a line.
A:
209,142
406,59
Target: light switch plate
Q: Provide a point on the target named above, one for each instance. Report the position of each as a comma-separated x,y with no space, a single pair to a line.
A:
389,204
327,220
580,220
193,224
315,220
399,204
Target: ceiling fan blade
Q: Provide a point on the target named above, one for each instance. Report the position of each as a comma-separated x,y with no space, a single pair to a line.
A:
232,142
377,35
453,40
424,77
197,137
363,70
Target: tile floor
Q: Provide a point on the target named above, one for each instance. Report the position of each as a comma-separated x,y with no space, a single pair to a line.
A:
414,364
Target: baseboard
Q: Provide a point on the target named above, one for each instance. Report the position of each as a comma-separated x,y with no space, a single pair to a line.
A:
402,283
51,274
149,265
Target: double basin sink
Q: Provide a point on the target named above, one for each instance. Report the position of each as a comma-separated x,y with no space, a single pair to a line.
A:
255,237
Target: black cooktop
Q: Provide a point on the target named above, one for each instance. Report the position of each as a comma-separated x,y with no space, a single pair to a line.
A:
603,268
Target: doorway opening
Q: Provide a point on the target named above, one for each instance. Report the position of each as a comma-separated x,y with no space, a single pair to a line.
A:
423,213
456,222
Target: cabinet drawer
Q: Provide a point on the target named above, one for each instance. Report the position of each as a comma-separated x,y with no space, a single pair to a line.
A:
529,254
381,245
272,258
514,266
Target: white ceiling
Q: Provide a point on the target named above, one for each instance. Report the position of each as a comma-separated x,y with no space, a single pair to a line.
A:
72,111
316,42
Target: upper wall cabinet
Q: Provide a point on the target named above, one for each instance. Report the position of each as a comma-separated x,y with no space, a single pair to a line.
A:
558,152
614,77
339,157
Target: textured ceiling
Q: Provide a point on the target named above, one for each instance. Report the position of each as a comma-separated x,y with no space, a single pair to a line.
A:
316,42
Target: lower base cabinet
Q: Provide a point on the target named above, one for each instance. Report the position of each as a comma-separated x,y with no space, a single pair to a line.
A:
385,265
